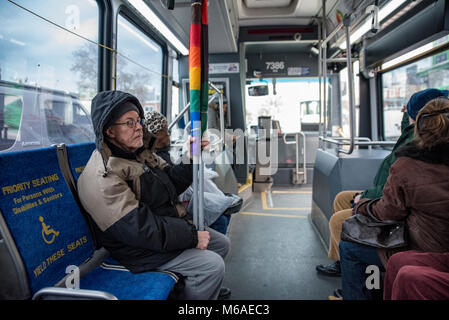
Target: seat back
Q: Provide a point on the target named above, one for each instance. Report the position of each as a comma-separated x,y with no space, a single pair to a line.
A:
72,160
48,232
78,155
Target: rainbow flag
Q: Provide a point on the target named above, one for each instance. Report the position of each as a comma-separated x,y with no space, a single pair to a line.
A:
198,70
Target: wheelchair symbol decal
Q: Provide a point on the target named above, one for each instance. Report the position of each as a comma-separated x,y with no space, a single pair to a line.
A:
46,232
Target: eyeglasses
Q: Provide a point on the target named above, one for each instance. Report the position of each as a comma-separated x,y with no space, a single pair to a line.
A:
131,123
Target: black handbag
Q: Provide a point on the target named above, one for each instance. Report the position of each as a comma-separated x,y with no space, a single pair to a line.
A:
370,231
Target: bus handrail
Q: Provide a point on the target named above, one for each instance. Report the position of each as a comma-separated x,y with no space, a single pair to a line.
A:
362,141
346,23
297,152
221,111
340,142
355,139
332,34
179,116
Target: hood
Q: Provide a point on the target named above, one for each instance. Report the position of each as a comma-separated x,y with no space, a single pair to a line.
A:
103,105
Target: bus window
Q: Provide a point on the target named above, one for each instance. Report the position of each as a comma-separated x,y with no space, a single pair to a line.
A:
67,121
175,105
43,51
139,65
399,84
11,107
291,95
259,90
310,112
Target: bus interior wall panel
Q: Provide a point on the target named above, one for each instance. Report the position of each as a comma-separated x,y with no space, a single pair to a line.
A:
417,27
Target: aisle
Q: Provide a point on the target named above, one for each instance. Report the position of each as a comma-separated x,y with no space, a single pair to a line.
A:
274,249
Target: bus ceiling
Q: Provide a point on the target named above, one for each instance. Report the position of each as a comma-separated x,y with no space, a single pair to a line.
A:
430,22
377,27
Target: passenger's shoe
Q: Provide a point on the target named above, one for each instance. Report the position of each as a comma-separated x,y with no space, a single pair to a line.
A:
338,293
235,206
333,269
224,293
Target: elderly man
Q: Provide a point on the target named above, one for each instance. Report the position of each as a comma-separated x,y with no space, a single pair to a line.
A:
131,195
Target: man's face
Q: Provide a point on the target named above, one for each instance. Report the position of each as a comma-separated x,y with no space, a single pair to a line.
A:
127,132
162,138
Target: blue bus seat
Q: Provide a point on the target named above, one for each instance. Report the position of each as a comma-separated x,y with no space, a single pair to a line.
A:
45,232
77,157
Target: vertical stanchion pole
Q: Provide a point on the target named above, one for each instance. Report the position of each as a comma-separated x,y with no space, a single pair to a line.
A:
201,193
347,24
199,93
195,193
195,97
324,66
320,73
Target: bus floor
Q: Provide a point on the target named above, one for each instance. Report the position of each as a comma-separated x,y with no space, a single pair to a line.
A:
274,249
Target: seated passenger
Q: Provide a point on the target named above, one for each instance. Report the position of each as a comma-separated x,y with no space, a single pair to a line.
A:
417,192
218,206
343,202
413,275
131,195
213,114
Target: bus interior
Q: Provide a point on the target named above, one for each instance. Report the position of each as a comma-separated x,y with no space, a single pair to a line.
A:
317,87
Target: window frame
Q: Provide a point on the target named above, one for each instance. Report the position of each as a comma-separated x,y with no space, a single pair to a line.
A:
104,81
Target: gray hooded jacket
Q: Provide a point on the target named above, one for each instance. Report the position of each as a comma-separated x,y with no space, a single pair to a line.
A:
132,197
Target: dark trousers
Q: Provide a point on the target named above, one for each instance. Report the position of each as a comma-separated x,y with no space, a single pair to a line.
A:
354,260
413,275
221,224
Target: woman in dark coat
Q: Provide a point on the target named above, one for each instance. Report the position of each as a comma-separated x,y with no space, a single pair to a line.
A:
417,191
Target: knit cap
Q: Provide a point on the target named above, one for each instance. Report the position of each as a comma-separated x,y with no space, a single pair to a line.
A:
419,99
155,121
120,111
